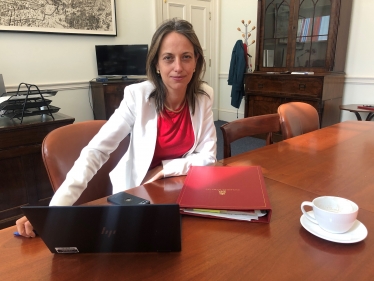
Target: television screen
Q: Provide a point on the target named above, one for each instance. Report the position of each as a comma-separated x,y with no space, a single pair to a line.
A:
121,60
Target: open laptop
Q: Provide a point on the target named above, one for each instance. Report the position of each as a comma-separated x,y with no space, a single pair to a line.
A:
90,229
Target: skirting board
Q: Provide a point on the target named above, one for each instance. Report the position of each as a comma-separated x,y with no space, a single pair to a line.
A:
228,116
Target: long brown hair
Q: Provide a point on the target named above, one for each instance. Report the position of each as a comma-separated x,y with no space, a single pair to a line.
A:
194,86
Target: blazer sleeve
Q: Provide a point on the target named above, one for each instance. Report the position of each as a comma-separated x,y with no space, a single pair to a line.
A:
93,156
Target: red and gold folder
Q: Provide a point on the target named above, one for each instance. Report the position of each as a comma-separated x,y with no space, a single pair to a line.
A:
226,193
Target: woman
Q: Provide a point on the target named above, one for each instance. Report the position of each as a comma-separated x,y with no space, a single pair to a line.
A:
169,117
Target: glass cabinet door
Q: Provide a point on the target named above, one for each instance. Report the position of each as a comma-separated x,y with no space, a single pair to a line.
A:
276,33
312,33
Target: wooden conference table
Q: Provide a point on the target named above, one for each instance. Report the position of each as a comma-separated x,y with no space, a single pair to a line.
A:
335,160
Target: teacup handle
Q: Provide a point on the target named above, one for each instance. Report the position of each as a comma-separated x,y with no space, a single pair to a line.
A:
309,217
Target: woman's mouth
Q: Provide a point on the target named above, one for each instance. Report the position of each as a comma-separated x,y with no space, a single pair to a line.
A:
177,78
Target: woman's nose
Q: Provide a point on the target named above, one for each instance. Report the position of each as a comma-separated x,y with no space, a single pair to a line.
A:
177,65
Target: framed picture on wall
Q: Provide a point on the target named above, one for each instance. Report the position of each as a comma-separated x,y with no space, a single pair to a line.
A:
89,17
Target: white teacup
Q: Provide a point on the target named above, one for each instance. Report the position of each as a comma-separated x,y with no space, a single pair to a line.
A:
333,214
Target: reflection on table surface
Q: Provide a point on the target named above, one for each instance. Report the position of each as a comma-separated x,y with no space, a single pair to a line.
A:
330,161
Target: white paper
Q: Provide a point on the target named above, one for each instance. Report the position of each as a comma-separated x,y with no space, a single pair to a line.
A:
255,216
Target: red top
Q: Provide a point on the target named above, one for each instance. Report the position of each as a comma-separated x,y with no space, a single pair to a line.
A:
175,135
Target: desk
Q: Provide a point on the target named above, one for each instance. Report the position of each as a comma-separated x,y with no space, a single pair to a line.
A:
353,108
107,96
215,249
23,178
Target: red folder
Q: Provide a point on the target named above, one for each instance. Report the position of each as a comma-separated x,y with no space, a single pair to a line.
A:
215,189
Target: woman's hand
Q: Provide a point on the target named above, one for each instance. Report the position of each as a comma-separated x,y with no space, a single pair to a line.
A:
24,227
154,174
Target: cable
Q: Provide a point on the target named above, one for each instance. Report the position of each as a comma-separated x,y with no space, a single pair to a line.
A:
90,96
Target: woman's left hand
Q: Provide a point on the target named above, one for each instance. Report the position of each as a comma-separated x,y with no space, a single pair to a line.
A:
154,174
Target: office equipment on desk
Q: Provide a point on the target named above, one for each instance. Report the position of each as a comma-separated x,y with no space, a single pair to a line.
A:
126,199
90,229
29,102
235,193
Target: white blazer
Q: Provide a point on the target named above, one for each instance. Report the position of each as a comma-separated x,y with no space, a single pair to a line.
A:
137,115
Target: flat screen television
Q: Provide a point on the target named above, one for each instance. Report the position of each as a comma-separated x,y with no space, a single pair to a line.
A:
121,60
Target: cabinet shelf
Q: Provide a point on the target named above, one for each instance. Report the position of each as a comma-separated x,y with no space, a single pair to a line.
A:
299,36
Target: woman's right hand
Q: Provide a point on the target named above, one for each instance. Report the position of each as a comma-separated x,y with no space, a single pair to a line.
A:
24,227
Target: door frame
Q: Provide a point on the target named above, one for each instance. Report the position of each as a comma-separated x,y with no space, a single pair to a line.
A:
214,45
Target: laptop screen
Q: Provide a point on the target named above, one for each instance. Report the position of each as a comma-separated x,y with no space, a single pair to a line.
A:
84,229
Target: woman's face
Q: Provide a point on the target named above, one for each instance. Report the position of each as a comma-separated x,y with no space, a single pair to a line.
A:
176,62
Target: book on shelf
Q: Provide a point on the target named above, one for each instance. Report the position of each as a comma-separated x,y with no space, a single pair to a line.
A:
315,28
234,193
268,59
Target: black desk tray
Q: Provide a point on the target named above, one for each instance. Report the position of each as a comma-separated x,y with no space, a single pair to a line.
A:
28,102
20,102
31,111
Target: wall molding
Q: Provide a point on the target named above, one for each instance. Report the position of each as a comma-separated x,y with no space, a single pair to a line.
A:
79,85
60,86
357,80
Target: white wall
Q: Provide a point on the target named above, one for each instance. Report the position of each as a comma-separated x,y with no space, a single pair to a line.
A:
68,62
359,87
232,13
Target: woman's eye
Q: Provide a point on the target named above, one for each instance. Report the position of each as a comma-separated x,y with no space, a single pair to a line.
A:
168,58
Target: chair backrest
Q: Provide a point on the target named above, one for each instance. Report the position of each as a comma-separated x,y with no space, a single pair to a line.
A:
62,147
297,118
255,125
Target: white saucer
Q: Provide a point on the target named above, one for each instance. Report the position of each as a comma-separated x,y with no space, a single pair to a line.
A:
357,233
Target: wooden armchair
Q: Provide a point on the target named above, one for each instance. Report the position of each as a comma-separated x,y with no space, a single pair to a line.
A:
62,147
261,124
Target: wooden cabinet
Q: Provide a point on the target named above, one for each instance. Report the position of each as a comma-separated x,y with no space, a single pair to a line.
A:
265,92
24,180
299,36
107,96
